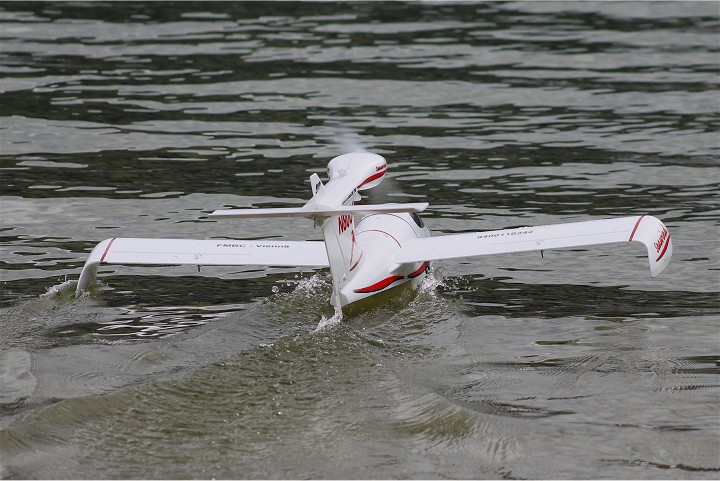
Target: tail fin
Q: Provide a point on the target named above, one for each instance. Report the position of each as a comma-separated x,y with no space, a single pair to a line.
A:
343,252
339,234
316,185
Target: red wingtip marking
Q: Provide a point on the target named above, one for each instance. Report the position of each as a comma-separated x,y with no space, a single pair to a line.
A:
667,243
635,229
107,249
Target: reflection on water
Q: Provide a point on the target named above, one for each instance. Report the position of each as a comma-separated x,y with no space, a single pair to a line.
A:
138,119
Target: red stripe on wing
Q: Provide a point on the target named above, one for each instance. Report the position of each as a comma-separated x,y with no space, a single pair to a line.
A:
635,229
667,243
107,249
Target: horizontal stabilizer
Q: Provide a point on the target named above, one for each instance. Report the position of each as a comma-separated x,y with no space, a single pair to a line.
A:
645,229
221,252
312,212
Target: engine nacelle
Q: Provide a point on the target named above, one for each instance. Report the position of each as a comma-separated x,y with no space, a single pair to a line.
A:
366,169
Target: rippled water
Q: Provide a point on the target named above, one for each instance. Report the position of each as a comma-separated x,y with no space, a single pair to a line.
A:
138,119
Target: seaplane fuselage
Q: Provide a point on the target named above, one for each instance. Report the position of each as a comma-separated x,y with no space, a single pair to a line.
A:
362,249
379,239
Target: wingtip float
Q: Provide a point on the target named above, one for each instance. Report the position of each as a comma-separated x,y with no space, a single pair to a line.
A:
371,248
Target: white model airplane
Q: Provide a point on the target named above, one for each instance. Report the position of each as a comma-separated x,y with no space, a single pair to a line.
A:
370,248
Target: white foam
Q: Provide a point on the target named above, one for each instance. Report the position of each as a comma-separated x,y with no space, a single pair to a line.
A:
326,323
52,291
432,281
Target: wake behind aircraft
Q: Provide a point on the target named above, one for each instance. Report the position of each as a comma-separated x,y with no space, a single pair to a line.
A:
370,248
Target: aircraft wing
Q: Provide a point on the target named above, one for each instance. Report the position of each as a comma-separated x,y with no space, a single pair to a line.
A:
648,230
311,212
202,252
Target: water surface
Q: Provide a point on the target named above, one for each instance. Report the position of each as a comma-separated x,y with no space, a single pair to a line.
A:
138,119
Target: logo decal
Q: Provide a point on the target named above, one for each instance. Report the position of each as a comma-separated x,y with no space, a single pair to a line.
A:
344,222
663,237
663,240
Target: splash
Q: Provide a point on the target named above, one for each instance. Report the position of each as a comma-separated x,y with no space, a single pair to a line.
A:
304,289
63,292
64,289
432,281
326,323
311,285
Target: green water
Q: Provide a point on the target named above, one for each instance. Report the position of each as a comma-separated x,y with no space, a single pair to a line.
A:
138,119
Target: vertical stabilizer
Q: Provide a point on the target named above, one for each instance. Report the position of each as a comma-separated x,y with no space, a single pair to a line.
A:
347,174
342,250
316,186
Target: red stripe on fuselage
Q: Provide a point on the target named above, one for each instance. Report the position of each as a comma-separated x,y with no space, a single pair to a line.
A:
420,270
378,286
382,232
357,262
373,177
107,249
